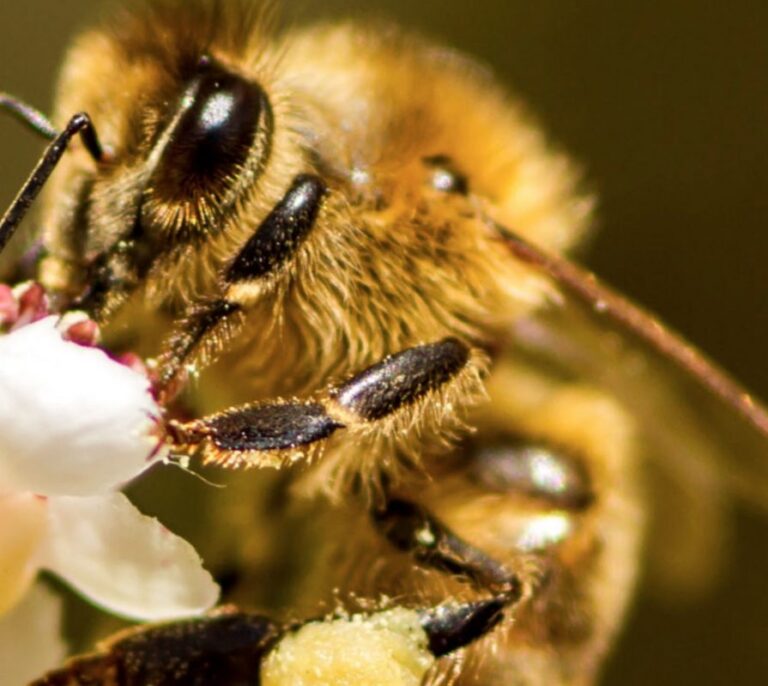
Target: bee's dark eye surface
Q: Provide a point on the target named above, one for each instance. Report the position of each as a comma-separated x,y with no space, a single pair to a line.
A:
218,129
214,133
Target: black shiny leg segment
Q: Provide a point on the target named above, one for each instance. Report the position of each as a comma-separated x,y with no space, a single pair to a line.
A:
453,626
373,394
412,529
224,649
401,379
274,243
281,233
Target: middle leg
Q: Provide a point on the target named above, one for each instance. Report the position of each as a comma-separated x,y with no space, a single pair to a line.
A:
272,433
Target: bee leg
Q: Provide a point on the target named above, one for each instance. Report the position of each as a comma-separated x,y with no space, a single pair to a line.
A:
229,647
392,385
453,626
280,234
412,529
224,648
277,239
191,335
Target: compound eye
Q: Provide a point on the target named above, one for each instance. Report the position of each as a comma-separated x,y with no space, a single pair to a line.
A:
216,129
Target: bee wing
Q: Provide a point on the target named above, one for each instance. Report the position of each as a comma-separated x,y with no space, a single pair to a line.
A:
698,420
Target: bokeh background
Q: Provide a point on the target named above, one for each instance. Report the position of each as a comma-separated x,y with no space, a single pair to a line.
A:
666,105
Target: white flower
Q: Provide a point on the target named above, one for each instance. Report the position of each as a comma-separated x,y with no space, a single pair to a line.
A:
74,427
73,421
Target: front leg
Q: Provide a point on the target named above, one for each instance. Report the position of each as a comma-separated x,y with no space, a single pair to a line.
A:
252,272
403,385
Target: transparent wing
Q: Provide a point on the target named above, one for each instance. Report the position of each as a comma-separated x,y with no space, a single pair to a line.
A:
698,420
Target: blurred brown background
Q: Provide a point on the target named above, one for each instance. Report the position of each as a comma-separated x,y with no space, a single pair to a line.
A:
666,105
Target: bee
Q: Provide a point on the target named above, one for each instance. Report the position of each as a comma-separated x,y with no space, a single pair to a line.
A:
344,247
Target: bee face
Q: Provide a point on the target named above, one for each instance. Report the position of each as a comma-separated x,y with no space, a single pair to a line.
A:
185,148
208,139
362,222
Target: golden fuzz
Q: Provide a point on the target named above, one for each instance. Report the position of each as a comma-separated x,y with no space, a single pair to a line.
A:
416,156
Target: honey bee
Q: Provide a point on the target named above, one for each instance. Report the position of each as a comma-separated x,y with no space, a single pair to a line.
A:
344,248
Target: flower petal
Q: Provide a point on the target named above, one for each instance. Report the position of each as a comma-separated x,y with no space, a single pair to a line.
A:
124,561
72,421
23,524
30,638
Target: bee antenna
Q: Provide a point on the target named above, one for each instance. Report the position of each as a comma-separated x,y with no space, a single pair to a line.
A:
588,289
28,115
80,124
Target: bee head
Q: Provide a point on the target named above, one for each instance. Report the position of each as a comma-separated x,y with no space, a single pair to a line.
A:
177,101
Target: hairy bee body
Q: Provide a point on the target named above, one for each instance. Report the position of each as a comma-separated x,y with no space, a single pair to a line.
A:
307,203
365,107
